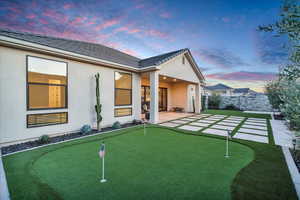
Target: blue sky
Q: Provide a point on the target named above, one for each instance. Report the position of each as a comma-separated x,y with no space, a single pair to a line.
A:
222,34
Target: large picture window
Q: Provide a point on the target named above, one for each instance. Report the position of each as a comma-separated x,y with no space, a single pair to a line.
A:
47,84
123,89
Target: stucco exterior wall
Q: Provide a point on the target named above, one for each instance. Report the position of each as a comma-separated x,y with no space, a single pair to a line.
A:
176,69
179,98
81,97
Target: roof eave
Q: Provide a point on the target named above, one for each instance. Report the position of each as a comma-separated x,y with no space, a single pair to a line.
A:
24,45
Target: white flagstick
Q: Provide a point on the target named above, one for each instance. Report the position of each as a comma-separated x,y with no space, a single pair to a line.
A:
103,179
227,151
144,128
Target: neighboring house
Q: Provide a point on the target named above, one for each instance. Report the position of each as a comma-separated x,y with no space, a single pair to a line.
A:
47,85
219,89
243,92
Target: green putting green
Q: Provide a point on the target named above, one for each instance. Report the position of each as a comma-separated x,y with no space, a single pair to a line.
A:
163,164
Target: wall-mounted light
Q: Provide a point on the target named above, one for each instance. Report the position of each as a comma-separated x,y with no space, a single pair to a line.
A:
164,78
174,79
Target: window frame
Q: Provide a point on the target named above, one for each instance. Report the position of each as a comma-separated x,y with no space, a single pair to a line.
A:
47,84
121,109
115,89
49,124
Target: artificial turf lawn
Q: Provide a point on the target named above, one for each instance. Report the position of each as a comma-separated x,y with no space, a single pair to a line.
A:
205,173
163,164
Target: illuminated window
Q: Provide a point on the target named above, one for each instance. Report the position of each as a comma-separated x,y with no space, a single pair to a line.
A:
121,112
37,120
46,84
123,89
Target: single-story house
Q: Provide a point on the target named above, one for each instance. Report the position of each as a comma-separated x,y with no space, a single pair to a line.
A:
47,85
218,89
243,92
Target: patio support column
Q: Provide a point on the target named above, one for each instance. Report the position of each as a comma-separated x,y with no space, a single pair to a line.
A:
198,98
154,81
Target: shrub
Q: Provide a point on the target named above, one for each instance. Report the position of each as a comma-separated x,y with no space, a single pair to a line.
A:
116,125
214,101
85,129
44,139
231,107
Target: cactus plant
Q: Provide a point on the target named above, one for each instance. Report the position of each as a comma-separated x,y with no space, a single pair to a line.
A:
98,106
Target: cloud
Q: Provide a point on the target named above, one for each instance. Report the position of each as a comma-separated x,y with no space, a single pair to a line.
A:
165,15
31,16
108,23
68,6
127,29
243,76
157,33
270,49
221,57
225,19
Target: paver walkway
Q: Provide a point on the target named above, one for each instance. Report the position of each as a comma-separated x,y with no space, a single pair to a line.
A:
253,129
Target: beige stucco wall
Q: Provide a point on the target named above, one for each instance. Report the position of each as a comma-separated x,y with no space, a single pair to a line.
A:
81,97
176,69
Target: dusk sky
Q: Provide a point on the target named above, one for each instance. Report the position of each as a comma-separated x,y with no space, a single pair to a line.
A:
222,34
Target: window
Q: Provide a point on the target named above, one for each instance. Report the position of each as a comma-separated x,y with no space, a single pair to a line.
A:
183,60
121,112
47,83
37,120
123,89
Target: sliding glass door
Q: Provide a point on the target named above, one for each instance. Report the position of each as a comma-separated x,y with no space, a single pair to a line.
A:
162,98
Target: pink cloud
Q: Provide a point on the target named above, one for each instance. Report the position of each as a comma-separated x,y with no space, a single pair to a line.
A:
139,6
31,16
243,76
67,6
127,29
14,9
225,19
165,15
78,20
42,21
56,16
156,33
107,24
130,52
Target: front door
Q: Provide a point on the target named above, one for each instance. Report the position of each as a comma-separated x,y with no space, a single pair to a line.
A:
162,98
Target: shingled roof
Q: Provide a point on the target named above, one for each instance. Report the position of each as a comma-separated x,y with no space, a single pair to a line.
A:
91,49
157,60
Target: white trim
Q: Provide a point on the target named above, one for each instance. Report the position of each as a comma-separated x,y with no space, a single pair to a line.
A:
295,175
68,140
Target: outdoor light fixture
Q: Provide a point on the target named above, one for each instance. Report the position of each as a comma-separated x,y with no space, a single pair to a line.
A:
174,79
164,78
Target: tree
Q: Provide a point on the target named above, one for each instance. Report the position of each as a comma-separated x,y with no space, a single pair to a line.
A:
98,106
285,92
273,93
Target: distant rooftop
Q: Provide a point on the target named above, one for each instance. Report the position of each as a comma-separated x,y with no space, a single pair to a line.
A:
219,86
